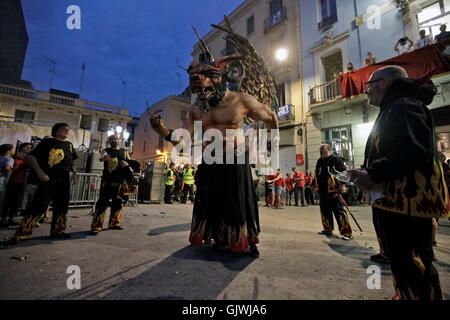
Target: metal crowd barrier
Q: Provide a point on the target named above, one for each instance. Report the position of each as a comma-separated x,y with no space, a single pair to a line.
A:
86,192
133,199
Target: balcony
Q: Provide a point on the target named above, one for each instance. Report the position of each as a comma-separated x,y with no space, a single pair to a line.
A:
327,22
286,115
324,93
57,99
349,88
275,20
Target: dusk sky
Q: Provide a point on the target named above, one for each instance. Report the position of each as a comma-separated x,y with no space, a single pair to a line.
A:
137,40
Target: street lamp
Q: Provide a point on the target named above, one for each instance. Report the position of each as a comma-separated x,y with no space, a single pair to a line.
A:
126,135
119,129
163,154
281,54
110,132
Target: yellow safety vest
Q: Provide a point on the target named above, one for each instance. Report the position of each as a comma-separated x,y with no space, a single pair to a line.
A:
188,176
167,182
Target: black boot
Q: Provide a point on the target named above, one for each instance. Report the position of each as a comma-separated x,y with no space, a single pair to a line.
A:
254,253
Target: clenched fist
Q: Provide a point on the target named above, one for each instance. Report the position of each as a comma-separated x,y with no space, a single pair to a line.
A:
158,125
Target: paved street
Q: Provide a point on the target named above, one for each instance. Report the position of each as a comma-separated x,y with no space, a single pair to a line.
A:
152,259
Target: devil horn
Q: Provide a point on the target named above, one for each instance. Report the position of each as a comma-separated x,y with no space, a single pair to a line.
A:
203,47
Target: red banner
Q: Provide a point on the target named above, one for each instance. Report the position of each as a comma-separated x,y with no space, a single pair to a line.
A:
420,64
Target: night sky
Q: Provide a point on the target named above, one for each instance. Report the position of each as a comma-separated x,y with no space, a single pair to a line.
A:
137,40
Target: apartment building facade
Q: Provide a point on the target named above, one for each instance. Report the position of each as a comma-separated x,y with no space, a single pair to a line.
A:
25,113
336,33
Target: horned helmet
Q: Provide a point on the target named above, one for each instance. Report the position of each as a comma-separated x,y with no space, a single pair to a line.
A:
207,77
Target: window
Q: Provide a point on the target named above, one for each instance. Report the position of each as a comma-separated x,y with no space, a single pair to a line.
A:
144,148
275,6
145,128
183,115
332,66
432,16
281,94
250,24
340,141
24,116
328,11
230,48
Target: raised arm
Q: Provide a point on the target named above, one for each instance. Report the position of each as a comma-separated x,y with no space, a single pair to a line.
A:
194,114
411,44
259,112
396,45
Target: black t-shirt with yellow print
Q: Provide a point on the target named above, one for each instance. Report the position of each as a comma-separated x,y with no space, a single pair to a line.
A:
110,167
54,156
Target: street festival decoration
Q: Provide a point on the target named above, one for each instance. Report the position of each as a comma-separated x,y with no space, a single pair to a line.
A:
256,78
251,74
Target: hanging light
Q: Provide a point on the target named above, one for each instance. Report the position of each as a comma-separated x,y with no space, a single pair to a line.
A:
126,135
119,129
110,132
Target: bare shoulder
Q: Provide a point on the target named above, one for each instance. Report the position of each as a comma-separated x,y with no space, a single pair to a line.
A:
249,101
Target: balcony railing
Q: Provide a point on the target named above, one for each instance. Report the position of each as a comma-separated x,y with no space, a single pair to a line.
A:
45,96
19,92
275,19
326,92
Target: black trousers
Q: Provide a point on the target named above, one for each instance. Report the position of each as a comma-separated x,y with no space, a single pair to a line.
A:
309,195
302,194
13,199
330,206
188,188
378,225
168,194
177,191
411,255
108,191
57,191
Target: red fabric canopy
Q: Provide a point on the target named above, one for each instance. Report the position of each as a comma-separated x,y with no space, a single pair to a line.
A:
420,64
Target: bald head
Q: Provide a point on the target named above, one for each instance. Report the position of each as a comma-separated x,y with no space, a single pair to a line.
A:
391,73
380,81
325,151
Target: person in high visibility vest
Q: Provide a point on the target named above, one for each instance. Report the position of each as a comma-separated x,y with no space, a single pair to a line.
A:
169,180
188,179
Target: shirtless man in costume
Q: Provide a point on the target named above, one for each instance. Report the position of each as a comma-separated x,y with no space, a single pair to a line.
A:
225,207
